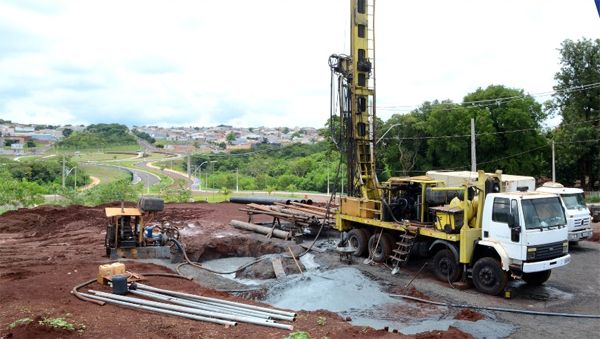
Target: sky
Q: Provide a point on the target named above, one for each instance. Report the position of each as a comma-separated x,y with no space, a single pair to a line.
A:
264,62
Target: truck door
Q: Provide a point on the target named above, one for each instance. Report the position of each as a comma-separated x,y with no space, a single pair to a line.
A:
500,230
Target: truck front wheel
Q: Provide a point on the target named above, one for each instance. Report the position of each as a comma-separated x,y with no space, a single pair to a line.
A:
358,239
536,278
446,267
488,276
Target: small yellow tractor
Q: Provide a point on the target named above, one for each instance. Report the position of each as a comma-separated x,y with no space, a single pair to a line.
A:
128,236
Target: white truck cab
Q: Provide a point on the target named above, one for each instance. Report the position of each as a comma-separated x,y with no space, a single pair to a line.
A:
531,227
578,215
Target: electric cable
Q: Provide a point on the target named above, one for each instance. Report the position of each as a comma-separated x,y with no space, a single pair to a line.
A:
498,309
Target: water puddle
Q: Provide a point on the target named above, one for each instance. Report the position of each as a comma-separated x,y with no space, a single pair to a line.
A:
231,264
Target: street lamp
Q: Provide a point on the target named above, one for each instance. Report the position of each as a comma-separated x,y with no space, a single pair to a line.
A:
199,167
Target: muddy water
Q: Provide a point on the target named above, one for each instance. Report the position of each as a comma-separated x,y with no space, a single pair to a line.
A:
231,264
339,290
349,293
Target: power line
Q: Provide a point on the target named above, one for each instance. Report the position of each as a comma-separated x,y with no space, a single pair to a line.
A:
485,133
497,101
512,155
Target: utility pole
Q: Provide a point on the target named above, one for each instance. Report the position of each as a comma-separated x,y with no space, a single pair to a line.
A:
63,172
473,152
553,164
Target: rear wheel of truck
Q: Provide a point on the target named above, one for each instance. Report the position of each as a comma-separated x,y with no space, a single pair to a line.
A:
488,276
384,248
536,278
446,267
359,240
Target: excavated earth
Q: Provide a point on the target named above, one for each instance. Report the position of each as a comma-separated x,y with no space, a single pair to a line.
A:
45,251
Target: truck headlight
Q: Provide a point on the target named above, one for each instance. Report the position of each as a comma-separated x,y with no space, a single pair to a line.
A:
531,253
565,247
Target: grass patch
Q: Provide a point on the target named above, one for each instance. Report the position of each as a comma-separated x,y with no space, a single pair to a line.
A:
61,324
106,174
19,322
101,156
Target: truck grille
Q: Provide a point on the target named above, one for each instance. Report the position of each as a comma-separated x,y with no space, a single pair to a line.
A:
549,251
582,222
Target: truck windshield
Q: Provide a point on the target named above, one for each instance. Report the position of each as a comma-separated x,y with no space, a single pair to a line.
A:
573,201
543,212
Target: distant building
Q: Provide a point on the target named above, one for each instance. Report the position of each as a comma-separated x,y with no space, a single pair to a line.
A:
24,129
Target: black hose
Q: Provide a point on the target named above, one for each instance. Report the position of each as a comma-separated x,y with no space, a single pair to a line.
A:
499,309
191,263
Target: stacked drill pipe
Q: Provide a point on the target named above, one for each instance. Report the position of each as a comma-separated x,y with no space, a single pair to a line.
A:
196,307
296,213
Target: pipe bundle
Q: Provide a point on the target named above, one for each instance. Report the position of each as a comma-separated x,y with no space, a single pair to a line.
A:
196,307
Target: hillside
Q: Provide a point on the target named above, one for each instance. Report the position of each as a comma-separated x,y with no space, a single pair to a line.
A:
98,135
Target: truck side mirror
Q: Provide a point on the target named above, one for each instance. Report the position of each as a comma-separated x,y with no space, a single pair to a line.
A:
513,216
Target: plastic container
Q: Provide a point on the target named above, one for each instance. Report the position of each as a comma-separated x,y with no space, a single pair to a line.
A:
108,270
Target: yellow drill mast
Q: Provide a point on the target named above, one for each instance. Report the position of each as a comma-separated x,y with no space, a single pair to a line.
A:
357,96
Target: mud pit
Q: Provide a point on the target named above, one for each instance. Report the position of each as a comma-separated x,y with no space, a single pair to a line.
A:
47,250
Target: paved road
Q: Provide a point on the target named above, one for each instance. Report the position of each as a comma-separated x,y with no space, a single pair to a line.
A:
172,174
147,178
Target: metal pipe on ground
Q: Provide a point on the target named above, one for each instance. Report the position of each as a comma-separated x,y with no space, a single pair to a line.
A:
226,302
97,298
271,315
209,306
260,229
258,200
199,304
249,320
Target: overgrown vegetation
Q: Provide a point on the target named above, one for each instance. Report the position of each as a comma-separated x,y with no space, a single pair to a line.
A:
143,135
98,136
291,168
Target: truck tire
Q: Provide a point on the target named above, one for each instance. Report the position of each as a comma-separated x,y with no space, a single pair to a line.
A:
536,278
446,267
488,276
358,239
384,248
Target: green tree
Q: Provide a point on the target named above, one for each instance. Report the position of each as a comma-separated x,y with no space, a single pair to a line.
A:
578,103
67,132
19,193
120,190
506,128
230,137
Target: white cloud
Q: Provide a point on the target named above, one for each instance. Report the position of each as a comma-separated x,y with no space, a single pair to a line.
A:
253,63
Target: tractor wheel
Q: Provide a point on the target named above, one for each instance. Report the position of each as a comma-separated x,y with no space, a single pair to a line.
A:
536,278
358,239
488,276
384,248
446,267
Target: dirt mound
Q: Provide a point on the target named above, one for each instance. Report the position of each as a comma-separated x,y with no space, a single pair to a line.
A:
468,314
45,219
200,249
452,333
264,269
36,329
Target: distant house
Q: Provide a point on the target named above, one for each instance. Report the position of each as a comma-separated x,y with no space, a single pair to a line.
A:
24,129
44,138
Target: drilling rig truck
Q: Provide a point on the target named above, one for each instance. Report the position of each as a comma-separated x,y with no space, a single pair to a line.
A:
474,231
